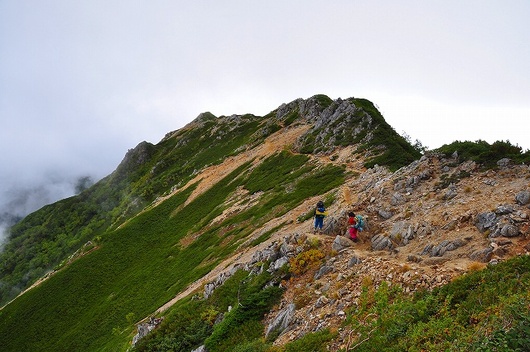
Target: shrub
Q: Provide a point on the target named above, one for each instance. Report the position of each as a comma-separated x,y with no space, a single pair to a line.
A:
305,261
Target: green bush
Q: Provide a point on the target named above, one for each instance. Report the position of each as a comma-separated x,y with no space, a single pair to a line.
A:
484,153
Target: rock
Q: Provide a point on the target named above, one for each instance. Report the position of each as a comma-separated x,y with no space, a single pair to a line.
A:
504,162
326,269
504,209
354,261
413,258
145,328
445,246
282,320
341,243
402,232
451,192
523,197
397,199
278,264
321,302
381,242
509,230
385,214
332,225
482,255
485,221
200,349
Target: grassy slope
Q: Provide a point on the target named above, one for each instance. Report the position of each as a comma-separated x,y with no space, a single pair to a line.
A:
141,266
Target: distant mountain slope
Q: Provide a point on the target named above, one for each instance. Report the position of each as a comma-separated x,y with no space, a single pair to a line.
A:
160,221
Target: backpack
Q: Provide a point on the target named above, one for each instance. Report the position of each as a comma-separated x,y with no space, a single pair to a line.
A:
360,223
320,210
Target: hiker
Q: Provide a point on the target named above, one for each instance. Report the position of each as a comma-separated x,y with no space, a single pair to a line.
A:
320,214
352,223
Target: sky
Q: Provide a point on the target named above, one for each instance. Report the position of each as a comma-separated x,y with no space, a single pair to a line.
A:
81,82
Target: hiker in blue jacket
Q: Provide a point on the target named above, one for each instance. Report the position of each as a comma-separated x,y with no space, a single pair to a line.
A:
320,214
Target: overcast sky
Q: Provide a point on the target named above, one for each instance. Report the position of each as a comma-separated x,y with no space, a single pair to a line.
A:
81,82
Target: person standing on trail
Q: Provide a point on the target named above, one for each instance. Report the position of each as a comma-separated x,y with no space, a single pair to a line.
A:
320,214
352,226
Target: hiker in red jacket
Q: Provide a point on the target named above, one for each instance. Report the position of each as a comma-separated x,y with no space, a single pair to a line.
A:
352,221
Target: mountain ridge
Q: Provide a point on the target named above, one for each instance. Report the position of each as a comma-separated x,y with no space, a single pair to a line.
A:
222,188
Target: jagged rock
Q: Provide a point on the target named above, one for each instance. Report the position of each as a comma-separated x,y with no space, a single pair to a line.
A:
485,221
282,321
200,349
490,182
326,269
482,255
427,249
523,197
381,242
341,243
333,225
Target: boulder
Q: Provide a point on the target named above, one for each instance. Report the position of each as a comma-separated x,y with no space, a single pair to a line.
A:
504,162
341,243
282,320
485,221
381,242
523,197
509,230
402,232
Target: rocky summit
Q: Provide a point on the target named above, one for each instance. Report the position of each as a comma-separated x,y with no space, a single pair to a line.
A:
205,241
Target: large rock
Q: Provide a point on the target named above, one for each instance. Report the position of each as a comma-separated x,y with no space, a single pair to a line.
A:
282,320
333,225
341,243
402,232
509,230
381,242
523,197
486,221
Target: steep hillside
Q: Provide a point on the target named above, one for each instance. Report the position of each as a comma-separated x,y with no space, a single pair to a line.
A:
172,212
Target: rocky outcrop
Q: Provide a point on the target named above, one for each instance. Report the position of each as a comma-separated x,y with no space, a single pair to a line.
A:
282,321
